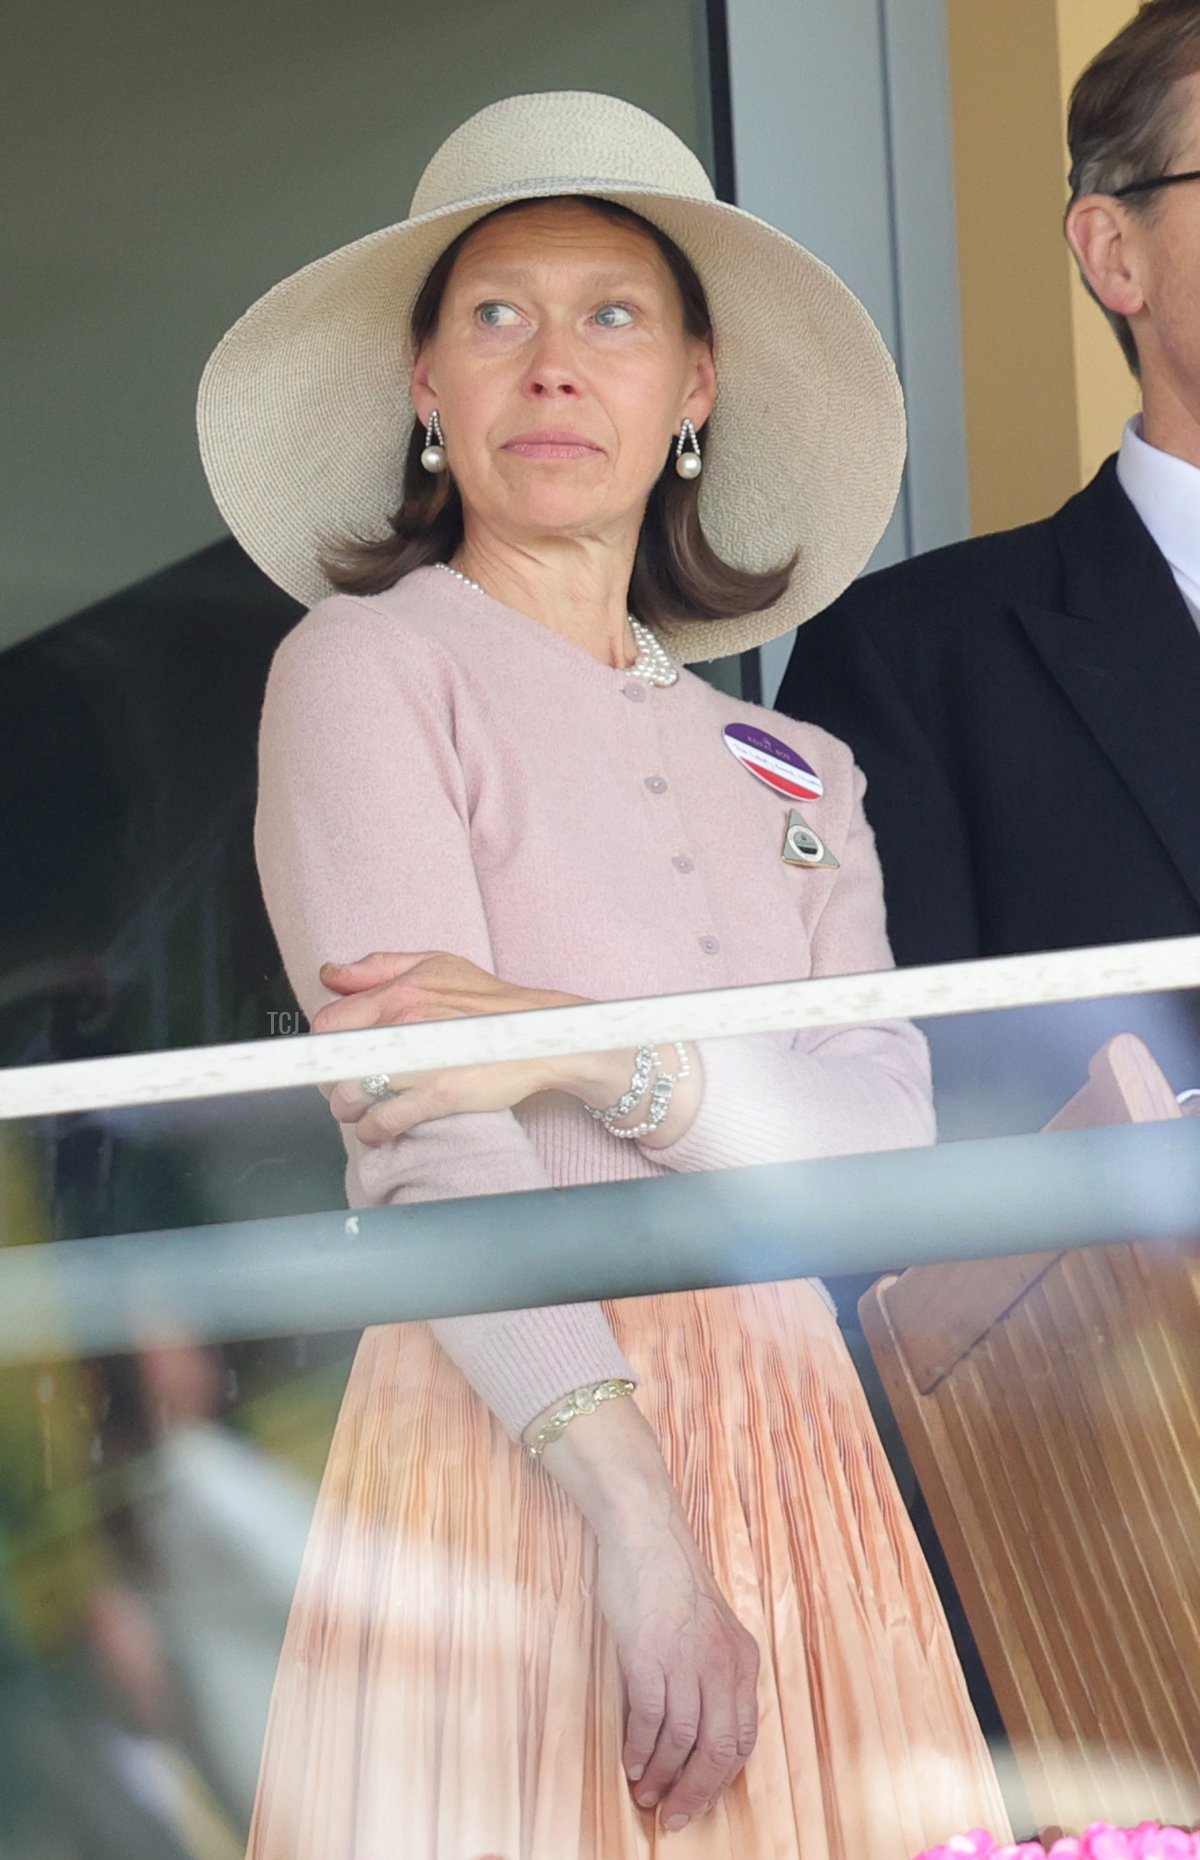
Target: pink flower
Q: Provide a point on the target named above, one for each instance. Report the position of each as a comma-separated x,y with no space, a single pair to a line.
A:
978,1845
1150,1842
1102,1841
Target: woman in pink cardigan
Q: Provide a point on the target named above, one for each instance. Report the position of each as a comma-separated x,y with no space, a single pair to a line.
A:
583,1581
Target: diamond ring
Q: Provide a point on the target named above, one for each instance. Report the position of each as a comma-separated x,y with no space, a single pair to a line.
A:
377,1085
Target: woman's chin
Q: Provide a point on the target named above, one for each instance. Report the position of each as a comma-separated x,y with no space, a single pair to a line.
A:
559,508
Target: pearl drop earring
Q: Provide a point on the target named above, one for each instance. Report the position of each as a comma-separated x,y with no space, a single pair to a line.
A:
688,463
433,458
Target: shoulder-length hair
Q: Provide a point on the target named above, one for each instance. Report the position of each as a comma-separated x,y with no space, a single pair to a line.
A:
677,574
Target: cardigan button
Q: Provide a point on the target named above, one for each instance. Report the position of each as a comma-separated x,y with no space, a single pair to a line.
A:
711,945
634,692
682,863
656,784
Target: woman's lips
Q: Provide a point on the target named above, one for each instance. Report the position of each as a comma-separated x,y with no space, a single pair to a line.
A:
555,443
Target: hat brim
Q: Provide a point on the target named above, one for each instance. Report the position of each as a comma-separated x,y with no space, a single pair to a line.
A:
305,407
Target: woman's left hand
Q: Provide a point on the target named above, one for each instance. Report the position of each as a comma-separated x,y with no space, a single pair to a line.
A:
390,989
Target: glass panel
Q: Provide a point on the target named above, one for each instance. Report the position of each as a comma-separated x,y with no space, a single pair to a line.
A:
187,161
170,1397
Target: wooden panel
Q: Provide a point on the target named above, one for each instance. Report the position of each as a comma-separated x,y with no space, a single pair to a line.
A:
939,1313
1054,1425
1124,1086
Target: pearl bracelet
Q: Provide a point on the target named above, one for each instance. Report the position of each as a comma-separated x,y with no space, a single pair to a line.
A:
582,1401
660,1096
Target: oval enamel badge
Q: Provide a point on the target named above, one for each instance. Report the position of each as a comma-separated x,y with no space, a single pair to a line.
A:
773,762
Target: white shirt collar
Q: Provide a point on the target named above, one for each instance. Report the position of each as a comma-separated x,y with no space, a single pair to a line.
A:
1165,492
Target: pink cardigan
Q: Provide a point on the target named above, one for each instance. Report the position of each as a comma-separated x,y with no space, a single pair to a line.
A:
438,771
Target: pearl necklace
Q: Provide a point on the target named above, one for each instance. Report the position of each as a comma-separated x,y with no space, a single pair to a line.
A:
653,663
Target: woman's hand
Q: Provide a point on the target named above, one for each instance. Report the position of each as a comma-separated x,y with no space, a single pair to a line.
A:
391,989
690,1667
690,1670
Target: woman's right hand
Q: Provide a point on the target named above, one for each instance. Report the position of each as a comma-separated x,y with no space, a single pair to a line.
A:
690,1669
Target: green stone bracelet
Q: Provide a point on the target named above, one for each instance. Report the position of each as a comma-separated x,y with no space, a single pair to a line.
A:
582,1401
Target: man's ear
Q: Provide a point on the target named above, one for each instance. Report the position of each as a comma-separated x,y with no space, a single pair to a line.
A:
1101,233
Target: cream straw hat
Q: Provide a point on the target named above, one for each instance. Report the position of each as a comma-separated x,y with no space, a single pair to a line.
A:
305,412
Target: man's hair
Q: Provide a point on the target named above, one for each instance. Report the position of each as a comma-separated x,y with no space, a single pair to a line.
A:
1125,114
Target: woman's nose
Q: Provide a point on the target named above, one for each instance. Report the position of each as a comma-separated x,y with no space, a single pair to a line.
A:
544,384
552,370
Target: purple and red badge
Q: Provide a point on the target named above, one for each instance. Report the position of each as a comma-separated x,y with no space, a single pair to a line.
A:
773,762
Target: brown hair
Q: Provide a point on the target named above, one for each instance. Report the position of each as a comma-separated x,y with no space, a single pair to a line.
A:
1126,111
677,574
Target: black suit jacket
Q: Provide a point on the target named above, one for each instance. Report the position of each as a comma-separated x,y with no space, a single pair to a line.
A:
1026,708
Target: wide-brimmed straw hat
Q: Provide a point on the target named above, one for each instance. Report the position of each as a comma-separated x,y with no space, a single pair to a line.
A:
305,408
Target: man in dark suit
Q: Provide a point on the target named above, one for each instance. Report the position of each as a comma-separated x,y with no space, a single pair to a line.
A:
1026,706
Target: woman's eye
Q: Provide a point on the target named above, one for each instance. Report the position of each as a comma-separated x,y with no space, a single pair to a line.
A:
613,316
496,315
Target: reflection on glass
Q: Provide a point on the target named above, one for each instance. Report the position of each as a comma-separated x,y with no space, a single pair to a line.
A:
153,1510
155,1504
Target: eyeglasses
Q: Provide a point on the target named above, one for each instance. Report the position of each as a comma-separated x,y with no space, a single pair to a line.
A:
1161,180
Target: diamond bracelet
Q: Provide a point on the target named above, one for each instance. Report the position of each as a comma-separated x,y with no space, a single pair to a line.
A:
581,1401
660,1094
643,1065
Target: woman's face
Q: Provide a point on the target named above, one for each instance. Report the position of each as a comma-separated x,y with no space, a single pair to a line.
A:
561,370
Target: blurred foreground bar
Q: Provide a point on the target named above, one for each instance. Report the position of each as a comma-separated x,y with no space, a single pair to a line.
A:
340,1271
998,982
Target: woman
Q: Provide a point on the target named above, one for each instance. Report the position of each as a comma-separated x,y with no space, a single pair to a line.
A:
478,764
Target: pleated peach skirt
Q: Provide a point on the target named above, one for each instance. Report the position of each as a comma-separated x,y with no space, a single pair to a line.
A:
447,1689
